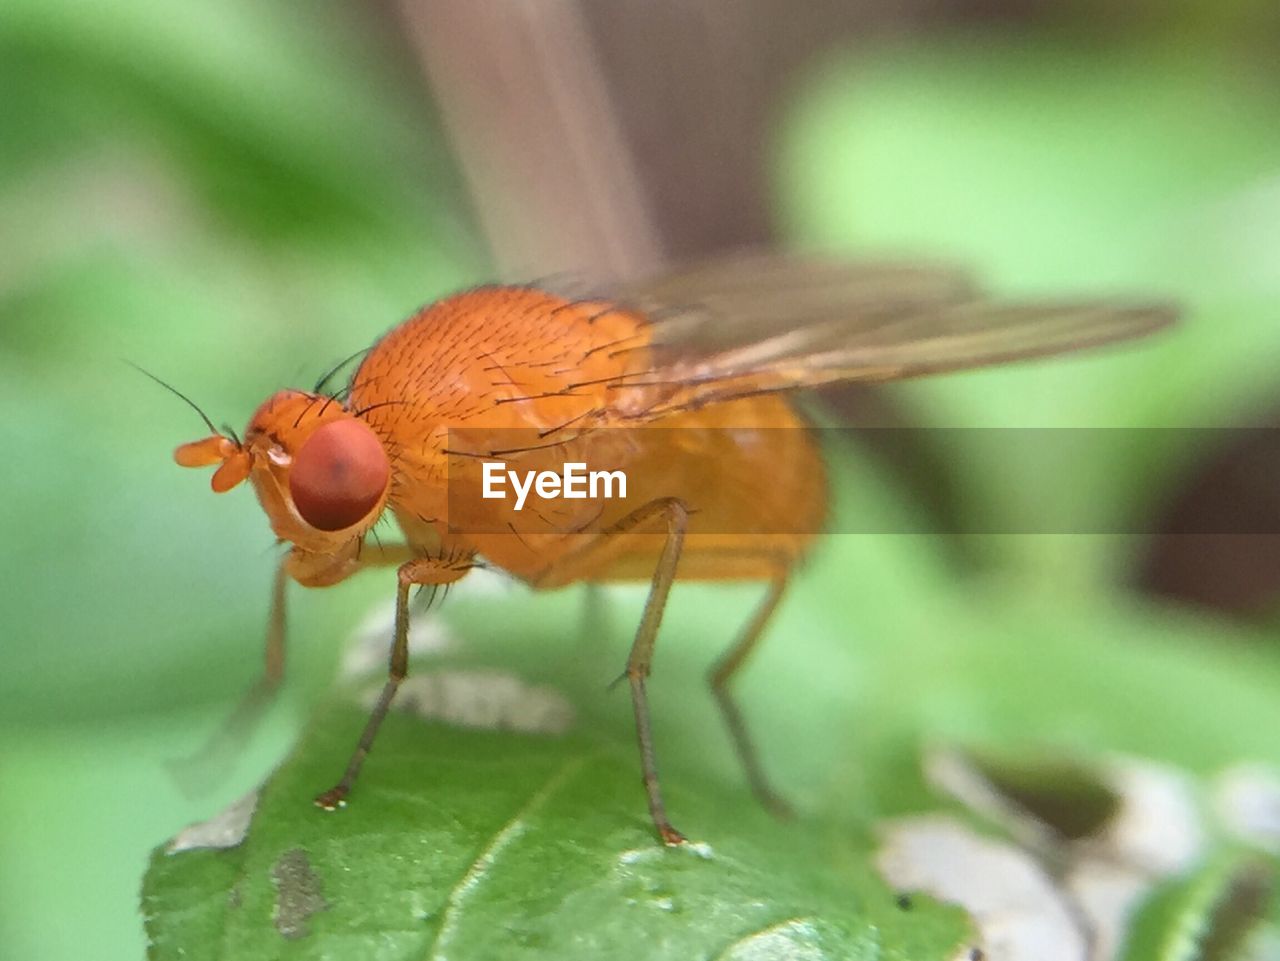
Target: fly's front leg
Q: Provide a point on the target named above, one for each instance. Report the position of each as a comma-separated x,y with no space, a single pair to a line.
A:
259,697
208,763
206,766
423,571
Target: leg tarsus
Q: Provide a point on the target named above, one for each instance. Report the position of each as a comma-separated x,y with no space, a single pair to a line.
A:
764,793
648,764
331,799
671,837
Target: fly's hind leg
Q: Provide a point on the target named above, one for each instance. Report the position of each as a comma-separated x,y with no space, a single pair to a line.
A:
744,557
719,677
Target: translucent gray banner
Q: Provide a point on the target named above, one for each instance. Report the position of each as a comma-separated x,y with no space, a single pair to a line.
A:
745,480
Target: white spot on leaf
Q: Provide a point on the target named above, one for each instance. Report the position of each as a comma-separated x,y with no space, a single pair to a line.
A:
484,582
370,643
1020,913
225,829
638,855
1106,895
1246,799
491,700
699,849
1158,826
1156,831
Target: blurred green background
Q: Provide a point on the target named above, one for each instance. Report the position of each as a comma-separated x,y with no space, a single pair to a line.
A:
236,195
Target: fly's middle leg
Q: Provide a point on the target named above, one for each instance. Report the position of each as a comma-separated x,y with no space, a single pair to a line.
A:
671,514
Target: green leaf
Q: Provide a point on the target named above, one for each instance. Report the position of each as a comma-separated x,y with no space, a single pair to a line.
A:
477,844
1210,916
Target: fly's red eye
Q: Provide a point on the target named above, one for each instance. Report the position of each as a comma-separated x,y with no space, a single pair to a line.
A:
338,475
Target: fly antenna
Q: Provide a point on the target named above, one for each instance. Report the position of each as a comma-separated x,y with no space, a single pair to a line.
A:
189,402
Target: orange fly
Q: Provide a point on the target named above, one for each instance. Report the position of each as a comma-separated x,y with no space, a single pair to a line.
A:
737,493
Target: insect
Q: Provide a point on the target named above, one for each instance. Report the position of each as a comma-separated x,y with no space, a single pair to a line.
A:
682,381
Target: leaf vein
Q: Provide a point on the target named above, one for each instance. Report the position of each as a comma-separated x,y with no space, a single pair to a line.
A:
489,853
761,932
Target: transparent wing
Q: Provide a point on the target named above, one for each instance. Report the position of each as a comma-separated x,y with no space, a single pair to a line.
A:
768,323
